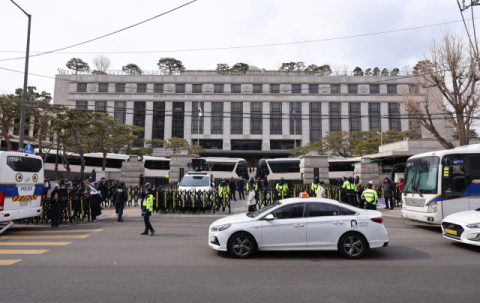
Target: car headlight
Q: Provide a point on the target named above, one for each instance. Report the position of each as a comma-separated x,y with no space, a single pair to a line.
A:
474,225
432,208
220,227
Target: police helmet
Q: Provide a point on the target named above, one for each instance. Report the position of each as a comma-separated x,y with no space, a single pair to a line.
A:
147,184
89,180
369,185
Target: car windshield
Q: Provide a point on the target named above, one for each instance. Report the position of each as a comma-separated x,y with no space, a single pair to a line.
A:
421,174
263,210
195,181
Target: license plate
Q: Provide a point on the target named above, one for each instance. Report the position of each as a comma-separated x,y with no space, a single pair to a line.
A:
452,232
25,204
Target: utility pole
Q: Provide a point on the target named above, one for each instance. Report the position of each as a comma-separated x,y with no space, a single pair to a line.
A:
25,81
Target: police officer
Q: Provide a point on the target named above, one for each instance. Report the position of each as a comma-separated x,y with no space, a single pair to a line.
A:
120,196
147,212
282,188
223,192
315,185
251,184
259,183
168,177
349,187
370,197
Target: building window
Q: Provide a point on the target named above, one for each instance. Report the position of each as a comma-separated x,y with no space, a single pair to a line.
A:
217,117
158,88
315,121
352,89
120,112
178,119
82,87
237,118
158,125
246,144
374,116
297,122
313,88
335,88
256,118
209,143
394,116
413,89
285,144
141,88
296,88
103,88
139,110
197,88
275,118
179,88
218,88
258,88
119,87
101,106
335,117
391,89
274,88
236,88
197,120
81,105
374,89
355,117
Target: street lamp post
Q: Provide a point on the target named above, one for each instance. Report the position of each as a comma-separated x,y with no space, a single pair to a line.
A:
25,80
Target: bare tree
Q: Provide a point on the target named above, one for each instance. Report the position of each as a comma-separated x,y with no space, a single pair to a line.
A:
102,64
448,80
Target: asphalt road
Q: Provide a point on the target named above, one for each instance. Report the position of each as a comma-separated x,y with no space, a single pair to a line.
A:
116,264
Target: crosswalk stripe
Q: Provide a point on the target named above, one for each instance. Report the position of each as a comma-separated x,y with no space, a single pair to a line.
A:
34,243
52,231
22,252
9,262
45,237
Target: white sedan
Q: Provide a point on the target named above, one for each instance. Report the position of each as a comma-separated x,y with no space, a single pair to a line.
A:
463,227
300,224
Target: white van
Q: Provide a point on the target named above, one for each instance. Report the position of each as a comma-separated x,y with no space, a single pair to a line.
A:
21,186
197,181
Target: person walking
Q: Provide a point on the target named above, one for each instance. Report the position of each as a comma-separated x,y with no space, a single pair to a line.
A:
282,188
46,187
94,196
241,188
349,188
321,191
388,189
370,197
315,185
233,189
223,193
147,209
120,196
56,206
103,188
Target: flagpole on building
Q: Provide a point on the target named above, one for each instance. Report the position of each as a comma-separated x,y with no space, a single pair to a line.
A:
294,128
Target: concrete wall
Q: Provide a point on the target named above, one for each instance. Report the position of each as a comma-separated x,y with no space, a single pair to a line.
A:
131,172
308,165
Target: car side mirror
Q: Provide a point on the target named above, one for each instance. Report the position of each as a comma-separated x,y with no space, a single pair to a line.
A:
269,217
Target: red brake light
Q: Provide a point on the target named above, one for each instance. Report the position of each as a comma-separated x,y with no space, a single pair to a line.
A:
2,199
377,220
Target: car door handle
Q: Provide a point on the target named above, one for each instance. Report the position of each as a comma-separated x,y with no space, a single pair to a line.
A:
337,223
299,225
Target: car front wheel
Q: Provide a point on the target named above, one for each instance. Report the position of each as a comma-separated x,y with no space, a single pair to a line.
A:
352,246
241,245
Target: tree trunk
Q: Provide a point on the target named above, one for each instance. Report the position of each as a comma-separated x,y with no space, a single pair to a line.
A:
104,162
82,167
7,138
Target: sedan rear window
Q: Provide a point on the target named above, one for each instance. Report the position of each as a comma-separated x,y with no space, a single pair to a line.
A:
323,209
24,164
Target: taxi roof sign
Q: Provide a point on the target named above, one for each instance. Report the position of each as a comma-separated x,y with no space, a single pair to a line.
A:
304,195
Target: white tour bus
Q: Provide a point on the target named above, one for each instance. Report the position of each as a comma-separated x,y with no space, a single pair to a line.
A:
438,184
156,166
21,186
227,167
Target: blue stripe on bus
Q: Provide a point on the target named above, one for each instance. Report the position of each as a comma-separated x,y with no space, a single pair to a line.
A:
473,190
11,190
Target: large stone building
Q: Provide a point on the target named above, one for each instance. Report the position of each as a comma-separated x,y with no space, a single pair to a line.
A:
248,116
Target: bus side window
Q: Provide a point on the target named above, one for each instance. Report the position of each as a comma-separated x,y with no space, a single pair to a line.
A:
473,169
453,177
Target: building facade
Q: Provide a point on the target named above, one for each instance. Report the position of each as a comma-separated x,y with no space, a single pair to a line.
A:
249,116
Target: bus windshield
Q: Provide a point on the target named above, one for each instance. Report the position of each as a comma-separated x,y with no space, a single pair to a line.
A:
421,175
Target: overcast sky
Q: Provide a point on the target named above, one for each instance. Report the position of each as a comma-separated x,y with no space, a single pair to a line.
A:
220,23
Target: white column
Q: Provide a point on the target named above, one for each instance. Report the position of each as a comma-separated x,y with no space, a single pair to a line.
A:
149,120
130,112
286,119
384,116
187,132
207,118
188,88
246,118
91,105
404,121
227,88
364,119
345,115
325,119
305,89
344,88
168,120
266,125
305,120
383,88
226,125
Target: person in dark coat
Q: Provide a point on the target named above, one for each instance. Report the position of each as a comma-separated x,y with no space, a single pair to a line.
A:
241,188
94,195
46,187
103,188
233,188
76,181
120,196
56,207
388,189
265,182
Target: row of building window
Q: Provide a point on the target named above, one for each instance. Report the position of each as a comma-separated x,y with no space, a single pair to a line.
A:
236,88
275,116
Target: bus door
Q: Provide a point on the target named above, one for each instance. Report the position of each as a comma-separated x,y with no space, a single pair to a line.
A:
454,185
472,176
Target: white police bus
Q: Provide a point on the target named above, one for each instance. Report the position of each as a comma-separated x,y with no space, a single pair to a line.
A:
21,186
438,184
